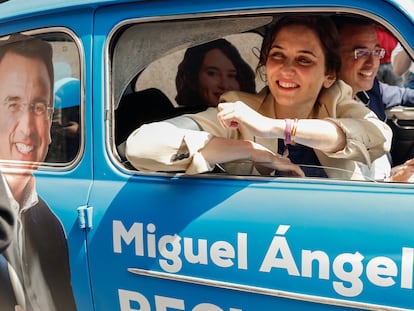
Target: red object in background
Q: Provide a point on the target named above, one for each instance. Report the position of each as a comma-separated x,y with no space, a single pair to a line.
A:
386,41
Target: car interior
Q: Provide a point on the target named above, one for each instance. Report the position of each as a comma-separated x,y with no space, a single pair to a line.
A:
144,60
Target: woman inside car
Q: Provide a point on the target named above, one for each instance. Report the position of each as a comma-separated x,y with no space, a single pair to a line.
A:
209,70
304,116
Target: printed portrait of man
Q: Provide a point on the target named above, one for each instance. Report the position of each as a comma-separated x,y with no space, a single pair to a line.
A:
35,266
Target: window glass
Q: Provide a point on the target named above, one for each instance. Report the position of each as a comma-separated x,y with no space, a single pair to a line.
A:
146,58
40,97
66,128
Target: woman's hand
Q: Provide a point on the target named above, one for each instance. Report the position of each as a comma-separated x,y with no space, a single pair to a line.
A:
267,161
232,115
403,172
223,150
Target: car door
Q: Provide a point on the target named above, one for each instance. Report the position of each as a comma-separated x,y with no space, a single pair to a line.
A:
64,178
165,241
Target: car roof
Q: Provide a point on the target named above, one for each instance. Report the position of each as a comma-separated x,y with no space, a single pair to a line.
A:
13,8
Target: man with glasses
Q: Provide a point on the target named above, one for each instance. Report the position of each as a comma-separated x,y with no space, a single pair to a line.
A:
360,56
37,262
402,64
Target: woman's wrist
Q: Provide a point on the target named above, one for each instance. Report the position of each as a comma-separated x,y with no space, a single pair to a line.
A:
275,128
290,131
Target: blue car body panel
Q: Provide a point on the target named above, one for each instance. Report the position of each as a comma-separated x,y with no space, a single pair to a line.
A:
170,242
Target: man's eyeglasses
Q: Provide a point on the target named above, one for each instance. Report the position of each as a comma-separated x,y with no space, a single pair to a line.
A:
39,109
363,53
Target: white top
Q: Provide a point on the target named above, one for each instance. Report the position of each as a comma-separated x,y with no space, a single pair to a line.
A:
399,48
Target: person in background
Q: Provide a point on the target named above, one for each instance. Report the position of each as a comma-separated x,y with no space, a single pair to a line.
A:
403,64
37,256
210,69
385,71
65,131
304,116
361,54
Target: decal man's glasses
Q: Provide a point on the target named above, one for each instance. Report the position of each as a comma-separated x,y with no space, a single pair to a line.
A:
39,109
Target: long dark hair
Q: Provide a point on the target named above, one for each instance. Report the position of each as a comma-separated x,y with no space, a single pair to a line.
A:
187,75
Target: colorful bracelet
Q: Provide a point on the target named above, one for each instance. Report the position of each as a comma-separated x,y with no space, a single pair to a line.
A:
293,133
288,131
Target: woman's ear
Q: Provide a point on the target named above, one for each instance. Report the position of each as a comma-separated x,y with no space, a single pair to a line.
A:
330,79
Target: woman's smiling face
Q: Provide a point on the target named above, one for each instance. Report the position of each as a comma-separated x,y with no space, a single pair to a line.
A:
295,67
217,75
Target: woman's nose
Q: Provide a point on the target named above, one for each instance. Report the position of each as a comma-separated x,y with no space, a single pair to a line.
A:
288,66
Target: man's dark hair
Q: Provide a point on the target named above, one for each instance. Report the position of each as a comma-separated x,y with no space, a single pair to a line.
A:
342,20
30,47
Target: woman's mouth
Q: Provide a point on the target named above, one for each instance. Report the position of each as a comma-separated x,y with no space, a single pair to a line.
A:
287,85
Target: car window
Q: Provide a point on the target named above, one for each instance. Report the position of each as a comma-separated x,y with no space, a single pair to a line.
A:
145,64
144,69
401,117
66,126
65,112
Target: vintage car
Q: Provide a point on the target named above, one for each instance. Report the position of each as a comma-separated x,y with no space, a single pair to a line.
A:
217,241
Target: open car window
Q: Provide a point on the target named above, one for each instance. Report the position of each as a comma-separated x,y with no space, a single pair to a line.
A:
145,60
401,117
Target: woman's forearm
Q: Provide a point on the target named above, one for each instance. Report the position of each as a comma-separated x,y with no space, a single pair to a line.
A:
320,134
315,133
221,150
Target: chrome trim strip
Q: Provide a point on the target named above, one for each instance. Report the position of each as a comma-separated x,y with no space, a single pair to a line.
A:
262,290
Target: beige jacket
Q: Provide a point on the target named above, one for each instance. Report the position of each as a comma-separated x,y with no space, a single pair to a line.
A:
161,146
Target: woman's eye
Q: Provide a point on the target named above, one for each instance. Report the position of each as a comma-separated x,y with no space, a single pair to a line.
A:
212,73
232,76
277,55
304,61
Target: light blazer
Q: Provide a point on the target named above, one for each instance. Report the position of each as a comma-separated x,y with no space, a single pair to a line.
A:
155,146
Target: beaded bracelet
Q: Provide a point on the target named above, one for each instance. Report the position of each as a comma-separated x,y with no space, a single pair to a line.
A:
288,131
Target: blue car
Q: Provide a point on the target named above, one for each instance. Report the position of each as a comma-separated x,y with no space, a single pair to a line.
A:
92,232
